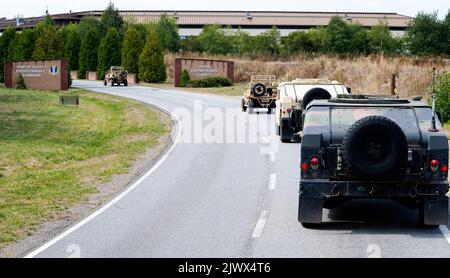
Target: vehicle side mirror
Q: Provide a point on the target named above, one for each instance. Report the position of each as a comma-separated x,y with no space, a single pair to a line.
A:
349,90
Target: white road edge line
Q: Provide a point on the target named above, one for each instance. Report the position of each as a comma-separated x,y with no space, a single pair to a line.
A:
260,224
445,232
272,181
117,198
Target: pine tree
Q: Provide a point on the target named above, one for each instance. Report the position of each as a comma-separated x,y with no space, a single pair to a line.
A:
151,61
22,47
108,52
167,32
72,48
49,44
111,19
5,40
88,53
132,47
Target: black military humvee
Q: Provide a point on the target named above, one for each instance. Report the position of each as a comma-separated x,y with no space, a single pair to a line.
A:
357,147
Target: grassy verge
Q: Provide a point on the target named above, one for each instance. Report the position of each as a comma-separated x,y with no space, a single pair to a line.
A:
236,90
53,156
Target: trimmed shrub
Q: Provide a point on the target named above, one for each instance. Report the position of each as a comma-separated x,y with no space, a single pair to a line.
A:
20,84
184,79
216,81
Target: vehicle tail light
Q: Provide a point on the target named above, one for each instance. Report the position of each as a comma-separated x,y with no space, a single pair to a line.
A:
434,165
315,162
444,168
304,166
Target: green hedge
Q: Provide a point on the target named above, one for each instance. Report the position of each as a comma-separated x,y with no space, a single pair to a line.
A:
443,96
210,82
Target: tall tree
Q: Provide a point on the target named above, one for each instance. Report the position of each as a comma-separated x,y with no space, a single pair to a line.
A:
5,40
359,40
88,53
380,38
424,35
269,42
167,32
23,46
72,47
298,42
339,34
151,60
213,40
111,19
132,48
108,52
87,23
49,44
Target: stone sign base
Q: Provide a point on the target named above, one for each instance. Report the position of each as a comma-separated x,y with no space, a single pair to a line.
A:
51,74
74,74
132,78
203,68
91,75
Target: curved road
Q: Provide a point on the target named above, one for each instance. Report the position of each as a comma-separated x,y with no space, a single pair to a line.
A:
233,193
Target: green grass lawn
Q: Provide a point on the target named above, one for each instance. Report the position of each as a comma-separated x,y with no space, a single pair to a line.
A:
237,89
53,156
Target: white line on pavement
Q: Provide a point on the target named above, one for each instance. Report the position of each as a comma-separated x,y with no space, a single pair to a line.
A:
113,201
260,224
272,181
446,232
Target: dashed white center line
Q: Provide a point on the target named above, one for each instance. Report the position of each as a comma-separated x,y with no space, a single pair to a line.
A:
272,181
260,224
272,156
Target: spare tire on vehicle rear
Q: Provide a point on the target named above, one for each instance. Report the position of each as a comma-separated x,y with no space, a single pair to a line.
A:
259,90
314,93
375,147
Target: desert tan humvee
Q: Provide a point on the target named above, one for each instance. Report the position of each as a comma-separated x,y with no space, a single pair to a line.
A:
261,93
116,75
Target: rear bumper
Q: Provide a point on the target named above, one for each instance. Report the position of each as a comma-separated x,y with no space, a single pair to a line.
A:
318,188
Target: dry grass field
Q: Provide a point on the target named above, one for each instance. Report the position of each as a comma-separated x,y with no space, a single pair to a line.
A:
370,75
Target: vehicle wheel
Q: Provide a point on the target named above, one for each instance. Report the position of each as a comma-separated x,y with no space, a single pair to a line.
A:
269,110
125,83
286,132
258,90
375,147
105,82
244,108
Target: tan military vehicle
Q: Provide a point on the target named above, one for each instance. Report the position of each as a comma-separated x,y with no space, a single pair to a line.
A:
116,75
294,96
261,93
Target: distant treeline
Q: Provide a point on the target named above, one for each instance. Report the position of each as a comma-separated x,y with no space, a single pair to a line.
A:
96,44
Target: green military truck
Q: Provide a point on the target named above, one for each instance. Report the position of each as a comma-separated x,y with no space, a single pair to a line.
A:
362,147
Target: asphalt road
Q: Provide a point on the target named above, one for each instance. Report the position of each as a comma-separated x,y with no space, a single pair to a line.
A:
235,199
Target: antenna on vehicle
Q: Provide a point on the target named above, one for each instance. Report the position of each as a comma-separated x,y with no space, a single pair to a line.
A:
433,105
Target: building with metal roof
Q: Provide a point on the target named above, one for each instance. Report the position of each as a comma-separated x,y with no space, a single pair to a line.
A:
191,22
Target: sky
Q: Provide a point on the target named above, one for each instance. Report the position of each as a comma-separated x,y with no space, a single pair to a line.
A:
27,8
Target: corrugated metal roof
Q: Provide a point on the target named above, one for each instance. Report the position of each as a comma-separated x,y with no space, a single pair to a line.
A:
236,18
